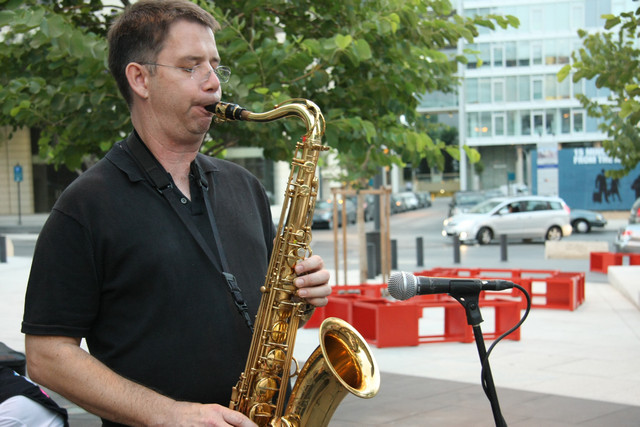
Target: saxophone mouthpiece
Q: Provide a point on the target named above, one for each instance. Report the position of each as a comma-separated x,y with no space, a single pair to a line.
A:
227,111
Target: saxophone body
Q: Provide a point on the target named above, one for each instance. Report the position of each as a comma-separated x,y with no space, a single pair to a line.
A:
343,362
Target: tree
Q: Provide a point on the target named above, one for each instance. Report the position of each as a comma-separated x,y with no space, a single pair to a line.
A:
361,61
612,58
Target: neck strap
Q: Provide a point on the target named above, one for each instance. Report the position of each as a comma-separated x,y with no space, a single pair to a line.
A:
161,181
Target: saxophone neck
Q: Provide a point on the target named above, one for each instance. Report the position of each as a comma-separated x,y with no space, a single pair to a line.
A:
304,109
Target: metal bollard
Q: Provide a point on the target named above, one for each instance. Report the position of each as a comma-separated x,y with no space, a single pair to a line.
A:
456,249
394,254
3,249
371,261
503,247
420,251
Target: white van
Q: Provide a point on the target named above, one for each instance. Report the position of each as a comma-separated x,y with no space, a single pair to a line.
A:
524,217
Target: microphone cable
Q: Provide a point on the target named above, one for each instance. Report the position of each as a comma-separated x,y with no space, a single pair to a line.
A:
485,361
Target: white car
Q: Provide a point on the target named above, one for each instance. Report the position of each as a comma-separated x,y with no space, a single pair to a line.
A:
525,217
628,239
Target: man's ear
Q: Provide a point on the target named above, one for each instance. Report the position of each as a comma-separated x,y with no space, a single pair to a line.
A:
137,76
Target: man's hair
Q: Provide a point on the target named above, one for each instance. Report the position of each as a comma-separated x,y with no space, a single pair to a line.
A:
138,35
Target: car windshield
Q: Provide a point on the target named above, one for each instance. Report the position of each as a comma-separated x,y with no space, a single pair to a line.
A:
485,207
468,199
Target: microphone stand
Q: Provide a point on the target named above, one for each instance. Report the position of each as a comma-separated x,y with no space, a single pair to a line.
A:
468,294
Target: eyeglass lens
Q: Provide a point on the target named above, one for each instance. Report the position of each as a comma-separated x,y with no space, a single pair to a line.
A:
202,73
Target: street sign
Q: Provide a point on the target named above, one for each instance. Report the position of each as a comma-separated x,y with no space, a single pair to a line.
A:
17,173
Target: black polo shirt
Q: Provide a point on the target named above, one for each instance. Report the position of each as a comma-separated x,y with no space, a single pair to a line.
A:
115,264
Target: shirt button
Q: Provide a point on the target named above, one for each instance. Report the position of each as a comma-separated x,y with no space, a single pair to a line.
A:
183,200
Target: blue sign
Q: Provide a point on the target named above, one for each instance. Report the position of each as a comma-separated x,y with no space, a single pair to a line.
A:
17,173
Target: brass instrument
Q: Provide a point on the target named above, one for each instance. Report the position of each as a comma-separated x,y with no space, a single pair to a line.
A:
342,362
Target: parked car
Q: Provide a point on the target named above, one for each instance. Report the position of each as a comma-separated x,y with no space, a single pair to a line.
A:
634,214
424,200
462,201
583,220
368,205
525,217
410,200
397,204
628,239
323,213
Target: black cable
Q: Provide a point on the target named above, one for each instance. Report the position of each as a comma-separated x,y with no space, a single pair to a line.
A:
485,361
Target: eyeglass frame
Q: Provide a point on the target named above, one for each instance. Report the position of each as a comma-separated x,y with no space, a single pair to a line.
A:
224,78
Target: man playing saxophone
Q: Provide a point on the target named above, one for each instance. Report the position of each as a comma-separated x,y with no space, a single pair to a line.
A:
156,254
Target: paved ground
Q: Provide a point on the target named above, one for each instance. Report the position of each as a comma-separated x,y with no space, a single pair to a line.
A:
569,368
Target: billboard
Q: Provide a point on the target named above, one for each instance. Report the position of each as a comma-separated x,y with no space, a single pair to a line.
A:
583,184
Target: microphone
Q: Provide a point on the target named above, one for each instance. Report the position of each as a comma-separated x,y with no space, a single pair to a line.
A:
403,285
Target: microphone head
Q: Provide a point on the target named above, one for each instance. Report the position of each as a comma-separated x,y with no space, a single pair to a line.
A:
402,285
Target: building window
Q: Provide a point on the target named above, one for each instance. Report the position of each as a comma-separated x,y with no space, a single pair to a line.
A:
471,91
564,88
511,54
479,125
577,16
566,120
538,123
536,19
536,53
578,121
484,91
512,123
550,122
549,52
485,54
557,16
563,51
550,86
472,58
485,123
525,122
592,124
498,91
498,55
512,89
524,93
536,88
523,54
498,124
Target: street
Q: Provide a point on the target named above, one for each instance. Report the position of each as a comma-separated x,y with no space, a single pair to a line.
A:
439,251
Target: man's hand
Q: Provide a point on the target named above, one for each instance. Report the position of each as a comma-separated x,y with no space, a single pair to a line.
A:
313,281
192,414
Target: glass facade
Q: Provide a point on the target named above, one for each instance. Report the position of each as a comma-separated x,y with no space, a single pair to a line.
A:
510,94
511,89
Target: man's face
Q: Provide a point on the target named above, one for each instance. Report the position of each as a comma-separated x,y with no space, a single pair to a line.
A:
176,100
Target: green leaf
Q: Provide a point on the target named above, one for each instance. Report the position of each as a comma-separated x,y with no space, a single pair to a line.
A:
343,41
363,51
564,72
7,17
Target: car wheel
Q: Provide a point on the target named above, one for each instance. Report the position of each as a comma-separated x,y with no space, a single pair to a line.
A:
581,226
484,236
554,233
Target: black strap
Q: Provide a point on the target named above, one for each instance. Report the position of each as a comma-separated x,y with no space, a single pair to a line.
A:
235,291
162,183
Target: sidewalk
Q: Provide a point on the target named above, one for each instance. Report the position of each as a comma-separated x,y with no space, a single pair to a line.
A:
569,368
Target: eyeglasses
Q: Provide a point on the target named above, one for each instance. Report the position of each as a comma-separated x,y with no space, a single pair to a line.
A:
200,73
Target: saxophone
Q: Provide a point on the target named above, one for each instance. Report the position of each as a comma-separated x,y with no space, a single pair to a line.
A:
343,361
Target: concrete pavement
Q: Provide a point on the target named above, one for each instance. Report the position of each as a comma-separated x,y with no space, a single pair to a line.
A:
569,368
